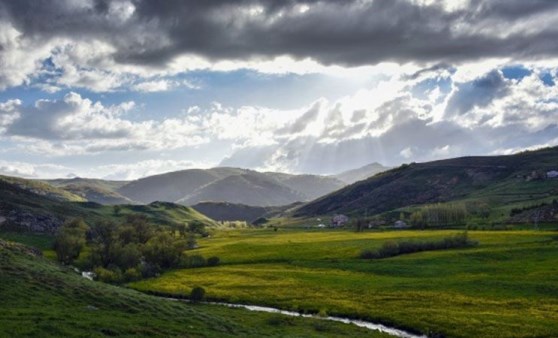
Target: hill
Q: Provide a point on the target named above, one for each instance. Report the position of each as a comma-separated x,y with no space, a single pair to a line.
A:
359,174
41,188
497,180
42,299
93,190
233,185
27,210
251,188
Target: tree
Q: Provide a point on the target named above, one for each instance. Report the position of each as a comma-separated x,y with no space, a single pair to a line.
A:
116,209
163,250
70,240
192,243
197,294
105,236
197,227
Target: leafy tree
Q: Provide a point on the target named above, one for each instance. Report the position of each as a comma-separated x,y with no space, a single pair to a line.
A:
197,227
163,250
70,240
143,230
197,294
192,243
103,247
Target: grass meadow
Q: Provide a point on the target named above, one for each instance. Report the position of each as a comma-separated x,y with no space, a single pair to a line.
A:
507,286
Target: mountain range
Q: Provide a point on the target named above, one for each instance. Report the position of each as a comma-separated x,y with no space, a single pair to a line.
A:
222,184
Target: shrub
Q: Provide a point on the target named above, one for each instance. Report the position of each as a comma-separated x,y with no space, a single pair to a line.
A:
108,276
149,270
213,261
195,261
132,274
391,248
197,294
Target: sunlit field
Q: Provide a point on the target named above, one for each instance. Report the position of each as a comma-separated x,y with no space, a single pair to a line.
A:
505,286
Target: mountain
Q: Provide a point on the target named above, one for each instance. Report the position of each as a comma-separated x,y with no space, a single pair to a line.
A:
171,187
309,186
93,190
497,180
251,188
359,174
233,185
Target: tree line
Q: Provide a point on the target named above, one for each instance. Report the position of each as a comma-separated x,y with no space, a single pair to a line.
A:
131,250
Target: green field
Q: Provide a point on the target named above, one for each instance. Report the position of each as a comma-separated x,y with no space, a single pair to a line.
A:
507,286
42,299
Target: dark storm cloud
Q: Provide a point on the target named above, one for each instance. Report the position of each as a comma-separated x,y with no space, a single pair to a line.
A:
346,32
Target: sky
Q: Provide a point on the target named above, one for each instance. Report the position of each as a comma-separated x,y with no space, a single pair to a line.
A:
128,88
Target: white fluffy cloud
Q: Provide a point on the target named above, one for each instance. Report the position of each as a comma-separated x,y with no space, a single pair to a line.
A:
411,117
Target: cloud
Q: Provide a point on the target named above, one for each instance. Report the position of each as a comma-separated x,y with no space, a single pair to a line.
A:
478,93
394,120
106,45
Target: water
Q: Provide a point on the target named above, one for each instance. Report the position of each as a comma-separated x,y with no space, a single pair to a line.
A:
361,323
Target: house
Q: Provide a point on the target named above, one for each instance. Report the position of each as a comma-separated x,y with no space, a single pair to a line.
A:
552,174
339,220
321,225
400,224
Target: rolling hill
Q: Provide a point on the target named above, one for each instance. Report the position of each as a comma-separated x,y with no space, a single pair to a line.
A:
497,180
93,190
37,210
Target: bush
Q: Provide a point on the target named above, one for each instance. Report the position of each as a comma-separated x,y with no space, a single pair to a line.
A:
213,261
197,294
195,261
108,276
149,270
132,274
391,249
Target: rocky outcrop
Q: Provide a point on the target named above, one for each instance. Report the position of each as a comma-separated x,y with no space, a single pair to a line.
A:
26,221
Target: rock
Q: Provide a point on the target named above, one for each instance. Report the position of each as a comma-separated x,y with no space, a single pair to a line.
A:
27,221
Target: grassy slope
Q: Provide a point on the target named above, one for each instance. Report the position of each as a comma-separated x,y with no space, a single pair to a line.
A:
41,188
507,286
488,179
43,299
14,196
88,182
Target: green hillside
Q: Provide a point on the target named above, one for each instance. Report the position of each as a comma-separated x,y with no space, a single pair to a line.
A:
518,179
24,209
41,299
93,190
41,188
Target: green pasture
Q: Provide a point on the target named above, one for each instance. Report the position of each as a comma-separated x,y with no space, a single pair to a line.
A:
507,286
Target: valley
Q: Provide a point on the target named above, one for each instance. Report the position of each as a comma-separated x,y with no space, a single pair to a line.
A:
293,257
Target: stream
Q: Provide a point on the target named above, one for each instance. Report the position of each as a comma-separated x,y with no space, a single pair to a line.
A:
357,322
